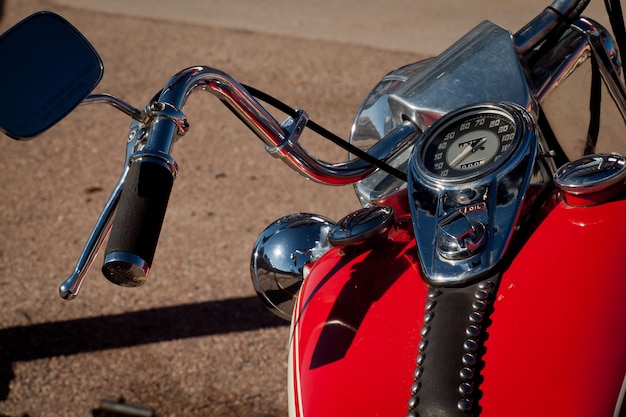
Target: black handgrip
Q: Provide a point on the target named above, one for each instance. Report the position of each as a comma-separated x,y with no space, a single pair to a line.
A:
137,223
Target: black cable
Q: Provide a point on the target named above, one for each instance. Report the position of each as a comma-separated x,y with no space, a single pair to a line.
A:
320,130
616,18
595,107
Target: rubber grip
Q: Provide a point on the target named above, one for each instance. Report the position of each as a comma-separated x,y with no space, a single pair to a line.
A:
137,223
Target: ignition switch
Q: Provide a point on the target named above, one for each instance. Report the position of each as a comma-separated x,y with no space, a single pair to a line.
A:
459,237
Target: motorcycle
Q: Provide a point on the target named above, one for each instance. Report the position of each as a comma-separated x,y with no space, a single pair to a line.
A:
481,276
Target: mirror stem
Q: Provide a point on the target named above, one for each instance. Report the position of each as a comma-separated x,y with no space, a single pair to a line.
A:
114,102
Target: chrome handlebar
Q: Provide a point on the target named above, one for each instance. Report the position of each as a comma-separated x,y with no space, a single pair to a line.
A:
558,13
156,128
280,139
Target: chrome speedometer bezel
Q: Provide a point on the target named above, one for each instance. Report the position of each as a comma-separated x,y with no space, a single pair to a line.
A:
448,123
488,201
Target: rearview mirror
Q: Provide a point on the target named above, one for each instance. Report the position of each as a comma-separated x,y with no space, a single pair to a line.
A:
48,68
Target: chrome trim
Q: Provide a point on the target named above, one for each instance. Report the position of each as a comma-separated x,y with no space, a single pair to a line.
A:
156,129
157,110
460,239
282,142
280,255
364,226
553,16
70,288
483,66
557,80
561,81
620,403
293,128
125,269
157,157
591,174
604,49
114,102
372,122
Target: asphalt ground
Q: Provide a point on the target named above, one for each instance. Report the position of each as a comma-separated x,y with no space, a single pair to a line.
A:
194,340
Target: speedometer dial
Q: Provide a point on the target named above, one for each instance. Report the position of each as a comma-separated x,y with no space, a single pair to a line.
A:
469,145
469,176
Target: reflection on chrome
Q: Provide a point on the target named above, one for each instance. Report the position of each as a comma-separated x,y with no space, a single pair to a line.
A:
280,255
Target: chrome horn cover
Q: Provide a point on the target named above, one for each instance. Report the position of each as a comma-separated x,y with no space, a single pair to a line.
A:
280,255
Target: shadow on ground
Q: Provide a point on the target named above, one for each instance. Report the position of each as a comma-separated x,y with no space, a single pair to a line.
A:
25,343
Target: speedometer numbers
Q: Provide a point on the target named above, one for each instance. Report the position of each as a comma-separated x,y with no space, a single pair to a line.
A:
470,145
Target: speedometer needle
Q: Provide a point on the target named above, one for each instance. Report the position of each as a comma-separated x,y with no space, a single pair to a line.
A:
467,152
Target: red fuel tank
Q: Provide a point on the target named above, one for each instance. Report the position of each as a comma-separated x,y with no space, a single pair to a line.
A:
555,343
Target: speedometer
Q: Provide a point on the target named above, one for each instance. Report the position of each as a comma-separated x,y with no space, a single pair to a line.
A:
469,175
471,144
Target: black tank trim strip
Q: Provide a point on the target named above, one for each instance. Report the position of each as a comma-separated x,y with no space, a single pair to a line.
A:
452,343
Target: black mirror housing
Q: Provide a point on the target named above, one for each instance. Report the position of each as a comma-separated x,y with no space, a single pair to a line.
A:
48,69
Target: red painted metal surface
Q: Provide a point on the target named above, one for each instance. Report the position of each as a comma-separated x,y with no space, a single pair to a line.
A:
355,339
556,345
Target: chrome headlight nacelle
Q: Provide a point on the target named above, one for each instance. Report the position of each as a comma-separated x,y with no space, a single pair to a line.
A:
280,255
